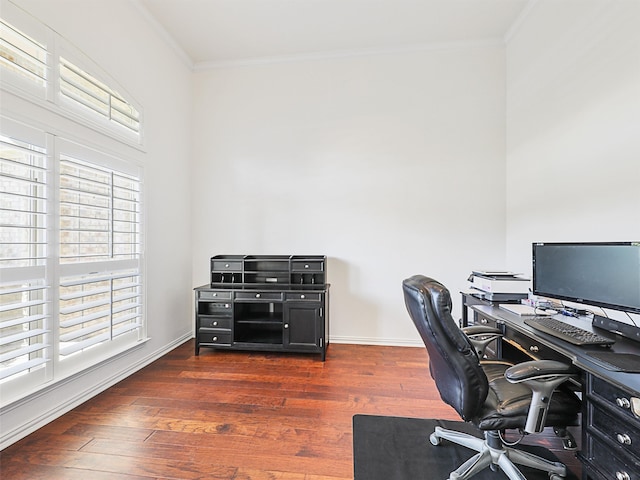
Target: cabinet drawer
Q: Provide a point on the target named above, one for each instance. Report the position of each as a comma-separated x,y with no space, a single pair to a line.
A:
229,266
612,396
531,347
215,322
304,296
485,321
214,337
617,431
259,296
609,463
217,295
302,266
215,308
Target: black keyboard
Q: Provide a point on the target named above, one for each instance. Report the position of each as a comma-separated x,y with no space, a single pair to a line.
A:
568,333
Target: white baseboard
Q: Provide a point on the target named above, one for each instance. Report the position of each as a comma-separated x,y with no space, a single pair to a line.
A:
59,409
388,342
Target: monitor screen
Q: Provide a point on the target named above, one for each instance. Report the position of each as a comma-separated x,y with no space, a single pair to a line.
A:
602,274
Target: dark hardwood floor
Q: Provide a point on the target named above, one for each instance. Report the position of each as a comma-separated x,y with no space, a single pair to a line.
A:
234,415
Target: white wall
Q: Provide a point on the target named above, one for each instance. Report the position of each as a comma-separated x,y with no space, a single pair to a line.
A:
573,125
390,164
139,60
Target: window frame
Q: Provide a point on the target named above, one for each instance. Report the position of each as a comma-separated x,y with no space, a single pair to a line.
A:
50,95
70,130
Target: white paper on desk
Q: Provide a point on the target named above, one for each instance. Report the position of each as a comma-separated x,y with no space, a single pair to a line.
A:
519,309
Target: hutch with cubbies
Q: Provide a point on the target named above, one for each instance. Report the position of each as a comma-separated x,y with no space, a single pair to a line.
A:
264,302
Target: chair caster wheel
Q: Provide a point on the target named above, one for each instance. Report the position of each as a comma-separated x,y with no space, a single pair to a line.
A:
434,440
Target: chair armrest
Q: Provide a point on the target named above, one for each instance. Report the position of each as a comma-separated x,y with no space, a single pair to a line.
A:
538,369
481,330
542,377
480,336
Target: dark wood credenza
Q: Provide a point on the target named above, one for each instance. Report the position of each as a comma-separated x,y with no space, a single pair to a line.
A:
264,302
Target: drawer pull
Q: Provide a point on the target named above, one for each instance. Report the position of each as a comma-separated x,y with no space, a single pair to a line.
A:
215,324
215,339
226,265
306,265
534,348
622,475
623,402
484,321
215,294
286,325
301,296
623,438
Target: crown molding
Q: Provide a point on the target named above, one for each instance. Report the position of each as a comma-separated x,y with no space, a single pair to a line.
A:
337,54
163,33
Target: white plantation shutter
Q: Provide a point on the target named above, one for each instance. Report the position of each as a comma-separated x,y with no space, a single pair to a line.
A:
23,56
71,279
24,314
89,92
24,334
38,62
100,245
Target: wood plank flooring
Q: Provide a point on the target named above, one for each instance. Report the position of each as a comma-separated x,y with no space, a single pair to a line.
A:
234,415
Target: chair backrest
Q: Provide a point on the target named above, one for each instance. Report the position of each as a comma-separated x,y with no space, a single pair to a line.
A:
453,362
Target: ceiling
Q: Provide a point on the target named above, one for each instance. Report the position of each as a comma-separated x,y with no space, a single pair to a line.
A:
217,32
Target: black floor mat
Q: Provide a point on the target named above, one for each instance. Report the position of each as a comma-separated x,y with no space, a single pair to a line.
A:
394,448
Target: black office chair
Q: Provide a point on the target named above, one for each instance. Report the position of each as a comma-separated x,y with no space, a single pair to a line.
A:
493,395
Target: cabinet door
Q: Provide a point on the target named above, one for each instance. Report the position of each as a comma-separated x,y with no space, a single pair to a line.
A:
303,326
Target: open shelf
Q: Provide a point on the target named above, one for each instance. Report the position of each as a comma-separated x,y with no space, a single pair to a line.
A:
233,270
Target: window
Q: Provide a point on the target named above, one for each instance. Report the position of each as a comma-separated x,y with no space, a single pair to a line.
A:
89,261
22,55
87,91
100,233
71,237
24,314
48,69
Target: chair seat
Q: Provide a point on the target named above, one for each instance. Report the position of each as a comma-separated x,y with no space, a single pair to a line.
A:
507,404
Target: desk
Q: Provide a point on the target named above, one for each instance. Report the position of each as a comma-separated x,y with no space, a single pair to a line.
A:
610,431
478,298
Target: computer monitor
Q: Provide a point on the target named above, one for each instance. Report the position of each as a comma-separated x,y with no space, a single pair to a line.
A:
603,274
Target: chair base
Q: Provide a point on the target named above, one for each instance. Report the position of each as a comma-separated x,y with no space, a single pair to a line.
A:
494,454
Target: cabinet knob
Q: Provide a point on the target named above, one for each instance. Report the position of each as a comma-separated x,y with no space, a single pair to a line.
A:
257,295
623,402
215,324
215,339
226,265
286,325
215,294
534,348
302,296
306,266
622,475
484,321
623,438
